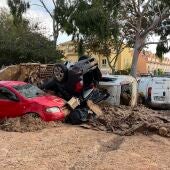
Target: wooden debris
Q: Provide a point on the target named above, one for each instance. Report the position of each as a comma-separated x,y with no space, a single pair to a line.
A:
95,108
73,102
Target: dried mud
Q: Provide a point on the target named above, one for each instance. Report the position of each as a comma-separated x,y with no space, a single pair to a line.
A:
120,120
27,123
124,120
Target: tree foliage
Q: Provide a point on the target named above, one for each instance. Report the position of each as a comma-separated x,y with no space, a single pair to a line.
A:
23,43
93,22
104,24
17,9
164,32
143,19
60,14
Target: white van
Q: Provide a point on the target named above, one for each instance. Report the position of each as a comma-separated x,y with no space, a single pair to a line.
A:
155,90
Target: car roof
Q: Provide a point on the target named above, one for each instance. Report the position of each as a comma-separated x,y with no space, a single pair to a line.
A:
11,83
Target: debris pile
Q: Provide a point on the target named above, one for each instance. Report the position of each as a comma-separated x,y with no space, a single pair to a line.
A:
124,120
26,123
121,120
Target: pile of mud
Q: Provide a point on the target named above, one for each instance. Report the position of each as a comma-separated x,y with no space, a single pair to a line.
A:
123,120
26,123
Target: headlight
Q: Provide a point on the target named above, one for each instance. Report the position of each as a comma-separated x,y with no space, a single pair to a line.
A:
52,110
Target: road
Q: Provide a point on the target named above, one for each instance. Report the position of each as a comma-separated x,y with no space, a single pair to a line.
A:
72,147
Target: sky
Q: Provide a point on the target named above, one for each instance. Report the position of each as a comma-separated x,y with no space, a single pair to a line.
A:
38,14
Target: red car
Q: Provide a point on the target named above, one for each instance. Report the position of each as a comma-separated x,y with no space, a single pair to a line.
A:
19,98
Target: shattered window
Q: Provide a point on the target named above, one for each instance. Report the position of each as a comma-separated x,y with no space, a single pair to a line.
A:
29,91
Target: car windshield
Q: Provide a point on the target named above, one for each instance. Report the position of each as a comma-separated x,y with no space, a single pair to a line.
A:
29,91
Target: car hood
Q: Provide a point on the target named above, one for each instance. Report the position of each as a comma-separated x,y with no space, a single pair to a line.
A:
49,101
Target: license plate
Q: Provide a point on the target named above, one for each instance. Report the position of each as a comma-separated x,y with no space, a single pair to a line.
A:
159,98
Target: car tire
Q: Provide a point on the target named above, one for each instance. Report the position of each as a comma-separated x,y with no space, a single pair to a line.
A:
60,72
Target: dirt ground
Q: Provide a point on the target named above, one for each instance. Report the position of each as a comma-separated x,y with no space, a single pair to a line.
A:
27,142
72,147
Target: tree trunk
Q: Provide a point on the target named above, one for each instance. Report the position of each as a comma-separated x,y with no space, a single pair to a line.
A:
55,32
55,39
114,64
137,50
113,70
110,65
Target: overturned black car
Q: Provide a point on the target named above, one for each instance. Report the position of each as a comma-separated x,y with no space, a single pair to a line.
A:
79,80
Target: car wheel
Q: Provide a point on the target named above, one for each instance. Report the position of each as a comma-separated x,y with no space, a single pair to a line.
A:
60,72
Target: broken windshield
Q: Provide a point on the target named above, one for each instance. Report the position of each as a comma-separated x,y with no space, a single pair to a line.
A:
29,91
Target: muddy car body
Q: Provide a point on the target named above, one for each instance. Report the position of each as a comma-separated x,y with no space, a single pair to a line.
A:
19,98
122,89
78,80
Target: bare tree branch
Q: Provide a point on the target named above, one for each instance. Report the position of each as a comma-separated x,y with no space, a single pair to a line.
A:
42,2
132,26
145,7
136,9
156,21
54,2
138,6
154,24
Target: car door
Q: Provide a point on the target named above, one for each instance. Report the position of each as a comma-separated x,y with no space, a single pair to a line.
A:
10,105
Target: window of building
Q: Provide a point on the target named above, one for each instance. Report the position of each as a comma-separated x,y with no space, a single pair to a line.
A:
104,62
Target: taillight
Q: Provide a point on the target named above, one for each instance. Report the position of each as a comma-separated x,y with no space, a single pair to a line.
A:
79,87
149,91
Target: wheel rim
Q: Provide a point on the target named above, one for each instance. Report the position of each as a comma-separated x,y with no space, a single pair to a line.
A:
59,74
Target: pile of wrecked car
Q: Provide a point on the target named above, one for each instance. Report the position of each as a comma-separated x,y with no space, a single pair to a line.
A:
70,92
67,90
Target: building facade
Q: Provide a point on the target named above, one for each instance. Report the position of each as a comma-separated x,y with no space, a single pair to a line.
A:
147,62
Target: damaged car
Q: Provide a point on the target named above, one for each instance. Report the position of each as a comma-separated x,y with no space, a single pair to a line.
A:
122,89
65,90
19,98
79,80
